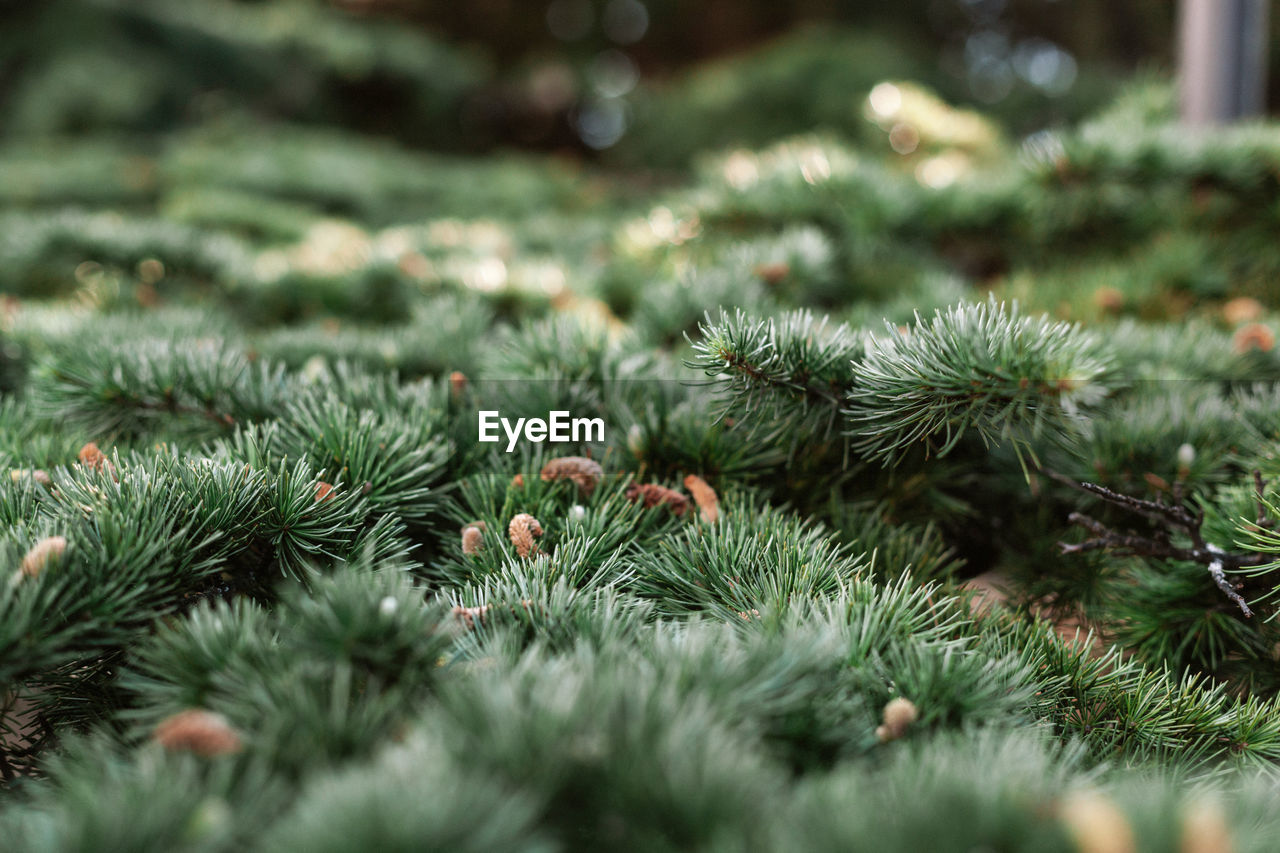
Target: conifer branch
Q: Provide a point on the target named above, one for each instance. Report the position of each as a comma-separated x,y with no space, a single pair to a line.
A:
797,355
977,367
1172,519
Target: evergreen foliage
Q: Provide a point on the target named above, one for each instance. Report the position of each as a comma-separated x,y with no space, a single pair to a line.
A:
261,587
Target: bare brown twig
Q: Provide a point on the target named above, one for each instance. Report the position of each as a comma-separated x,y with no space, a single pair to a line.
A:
1171,518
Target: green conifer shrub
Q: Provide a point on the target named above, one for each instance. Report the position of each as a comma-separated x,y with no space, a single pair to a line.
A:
263,587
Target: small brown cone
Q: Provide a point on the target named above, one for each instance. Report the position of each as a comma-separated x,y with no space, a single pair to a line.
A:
1205,828
39,476
704,496
46,551
1108,299
584,472
651,494
1253,336
1156,482
469,616
773,273
522,530
1242,309
324,492
92,457
473,538
457,383
1096,824
899,714
202,732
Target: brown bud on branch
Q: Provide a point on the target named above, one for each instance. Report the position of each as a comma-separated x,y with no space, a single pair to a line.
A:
46,551
704,496
651,494
202,732
92,457
899,714
522,530
584,472
469,616
473,538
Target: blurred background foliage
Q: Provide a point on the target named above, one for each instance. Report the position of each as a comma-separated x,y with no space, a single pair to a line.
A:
625,78
300,160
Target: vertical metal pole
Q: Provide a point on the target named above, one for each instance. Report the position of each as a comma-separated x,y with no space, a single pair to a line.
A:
1223,60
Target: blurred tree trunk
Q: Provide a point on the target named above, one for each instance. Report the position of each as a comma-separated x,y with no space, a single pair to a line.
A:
1222,74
